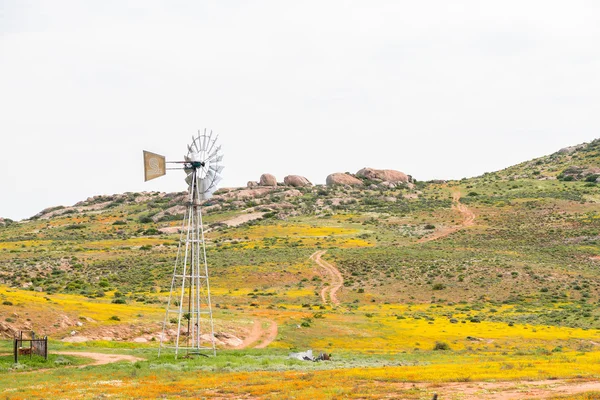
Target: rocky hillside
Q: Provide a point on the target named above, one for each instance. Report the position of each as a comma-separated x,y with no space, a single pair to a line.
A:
578,163
522,239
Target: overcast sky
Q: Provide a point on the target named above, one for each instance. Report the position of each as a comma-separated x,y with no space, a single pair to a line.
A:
437,89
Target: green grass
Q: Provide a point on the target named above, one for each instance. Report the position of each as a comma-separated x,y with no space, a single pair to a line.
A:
35,362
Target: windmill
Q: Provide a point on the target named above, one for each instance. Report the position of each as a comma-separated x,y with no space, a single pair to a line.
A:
189,310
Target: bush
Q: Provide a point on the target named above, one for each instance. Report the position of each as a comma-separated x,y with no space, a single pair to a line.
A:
443,346
439,286
119,300
429,226
7,303
592,178
74,227
114,318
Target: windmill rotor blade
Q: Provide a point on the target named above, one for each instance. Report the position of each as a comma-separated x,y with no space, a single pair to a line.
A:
216,181
218,169
212,144
209,141
203,138
215,152
205,196
189,178
216,155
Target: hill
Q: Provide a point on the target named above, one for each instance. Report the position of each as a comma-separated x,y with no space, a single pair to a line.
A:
488,265
580,163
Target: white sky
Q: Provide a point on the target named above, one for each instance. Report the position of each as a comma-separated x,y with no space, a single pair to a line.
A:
437,89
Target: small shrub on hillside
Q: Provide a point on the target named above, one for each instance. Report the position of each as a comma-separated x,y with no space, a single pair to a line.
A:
114,318
441,346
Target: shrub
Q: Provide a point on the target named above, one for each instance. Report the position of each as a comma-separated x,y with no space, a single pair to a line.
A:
429,226
114,318
73,227
119,300
441,346
7,303
592,178
438,286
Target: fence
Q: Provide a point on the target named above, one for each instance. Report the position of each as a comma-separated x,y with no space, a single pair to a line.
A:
33,345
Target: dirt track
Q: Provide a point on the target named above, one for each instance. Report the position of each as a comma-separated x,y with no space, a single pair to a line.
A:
257,333
101,358
336,278
468,220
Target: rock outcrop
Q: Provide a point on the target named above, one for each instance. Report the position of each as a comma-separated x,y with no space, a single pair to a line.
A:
384,175
571,149
341,178
296,181
267,180
575,173
252,184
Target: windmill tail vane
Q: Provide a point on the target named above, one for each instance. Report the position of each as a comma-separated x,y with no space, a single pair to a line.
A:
188,318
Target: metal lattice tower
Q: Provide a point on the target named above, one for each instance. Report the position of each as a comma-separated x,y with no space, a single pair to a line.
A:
189,309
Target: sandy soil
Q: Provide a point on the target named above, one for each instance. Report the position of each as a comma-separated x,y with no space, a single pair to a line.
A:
336,278
241,219
271,335
257,333
100,358
468,220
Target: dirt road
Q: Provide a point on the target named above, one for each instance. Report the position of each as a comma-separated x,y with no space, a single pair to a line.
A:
271,335
257,333
100,358
468,220
336,280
